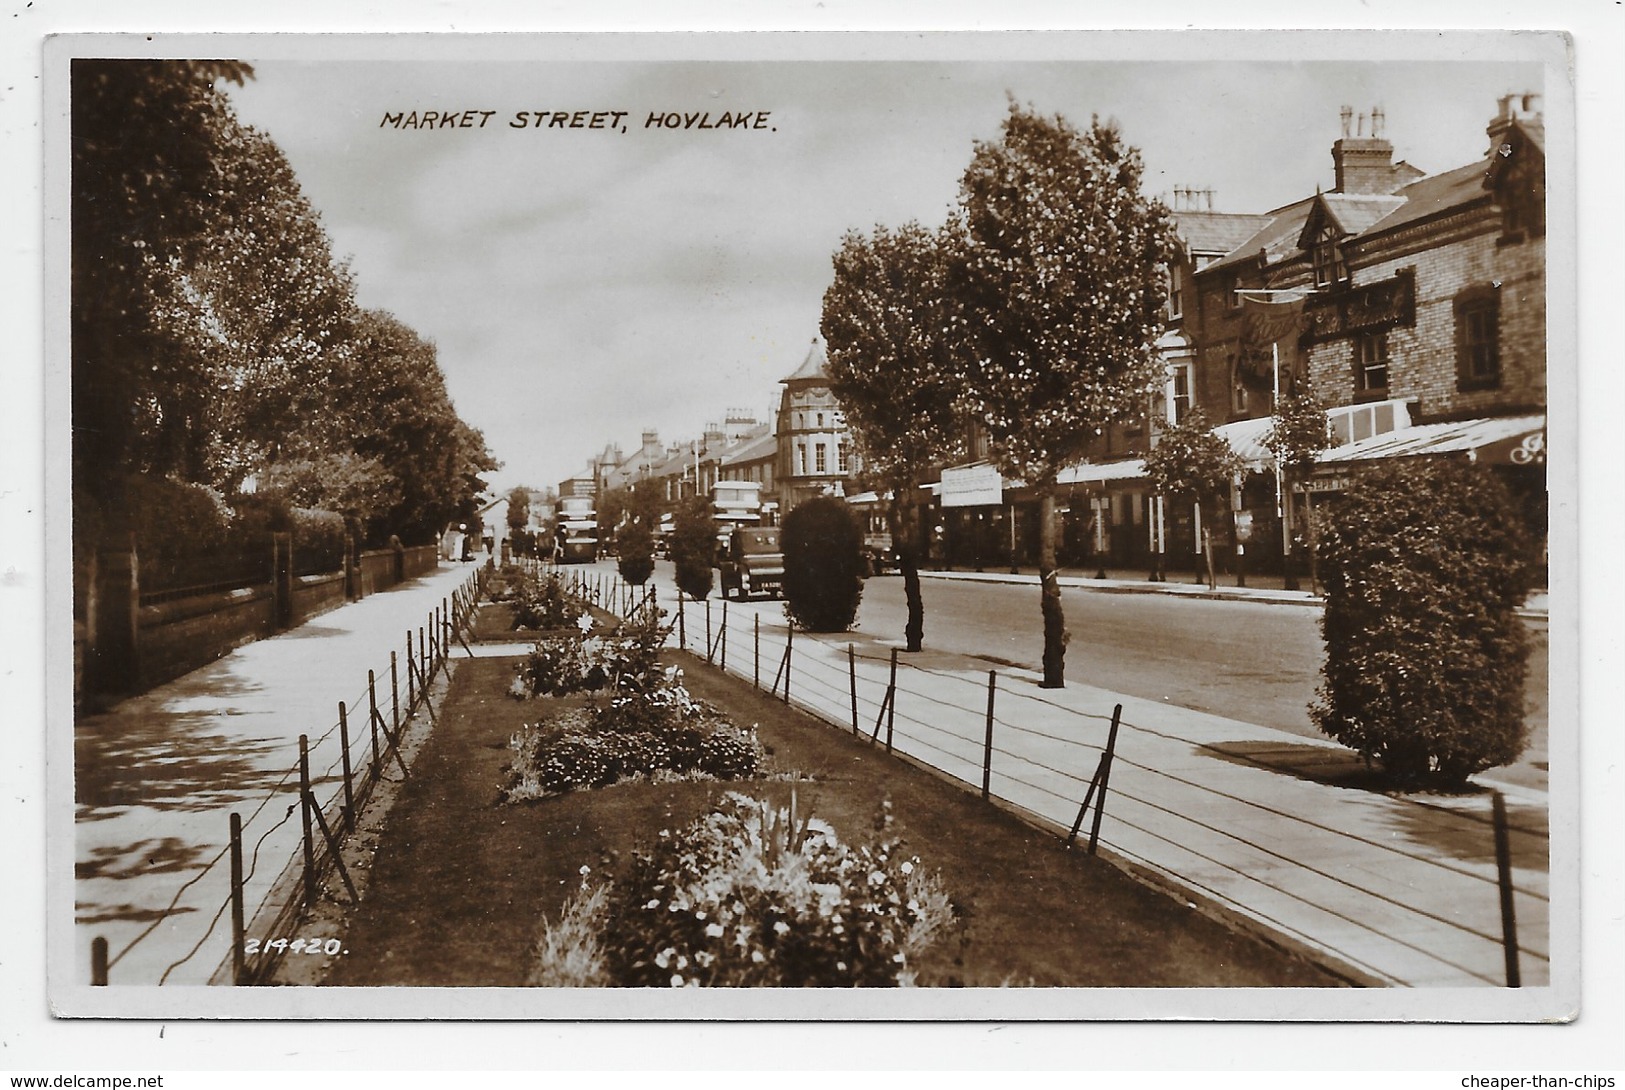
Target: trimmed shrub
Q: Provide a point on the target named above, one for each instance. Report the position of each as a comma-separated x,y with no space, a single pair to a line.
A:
637,554
1425,568
694,546
823,565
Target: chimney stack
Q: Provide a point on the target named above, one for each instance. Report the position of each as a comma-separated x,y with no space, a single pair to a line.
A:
1363,164
1512,109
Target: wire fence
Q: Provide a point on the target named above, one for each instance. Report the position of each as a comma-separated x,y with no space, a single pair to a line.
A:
378,711
1449,911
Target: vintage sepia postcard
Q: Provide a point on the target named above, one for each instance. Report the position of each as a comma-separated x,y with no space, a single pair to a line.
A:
956,526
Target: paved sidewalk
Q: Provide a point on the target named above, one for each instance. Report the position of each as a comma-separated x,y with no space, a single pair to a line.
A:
158,775
1273,828
1259,588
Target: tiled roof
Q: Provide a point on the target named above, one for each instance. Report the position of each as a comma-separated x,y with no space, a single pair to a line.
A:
1354,213
752,449
1278,238
1434,194
1216,232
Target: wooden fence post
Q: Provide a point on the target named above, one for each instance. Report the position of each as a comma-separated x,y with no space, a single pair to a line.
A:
709,649
1106,760
344,756
852,679
891,701
1503,871
756,659
237,912
98,962
304,814
987,746
394,693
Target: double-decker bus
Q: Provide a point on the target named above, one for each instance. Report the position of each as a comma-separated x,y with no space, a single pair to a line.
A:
577,533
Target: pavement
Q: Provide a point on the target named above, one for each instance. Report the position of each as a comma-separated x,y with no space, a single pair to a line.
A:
1286,835
1258,588
157,776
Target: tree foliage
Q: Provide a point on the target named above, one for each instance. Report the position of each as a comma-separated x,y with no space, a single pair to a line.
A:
694,546
1425,568
214,337
1058,301
823,564
518,508
1192,463
1059,292
886,322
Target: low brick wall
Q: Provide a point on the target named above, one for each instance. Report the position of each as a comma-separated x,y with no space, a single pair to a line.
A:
421,560
314,595
178,637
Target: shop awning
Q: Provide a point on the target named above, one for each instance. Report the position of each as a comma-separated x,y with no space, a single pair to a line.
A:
1099,473
1246,438
1502,440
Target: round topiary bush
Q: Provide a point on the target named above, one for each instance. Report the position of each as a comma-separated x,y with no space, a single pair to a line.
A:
693,546
1425,567
823,565
636,561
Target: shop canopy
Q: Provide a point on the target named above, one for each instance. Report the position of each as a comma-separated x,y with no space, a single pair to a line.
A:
1502,440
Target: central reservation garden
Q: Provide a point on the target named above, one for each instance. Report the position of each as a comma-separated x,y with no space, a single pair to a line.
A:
603,811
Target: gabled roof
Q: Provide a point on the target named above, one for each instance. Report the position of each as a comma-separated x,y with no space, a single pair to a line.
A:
1525,133
1349,214
815,366
1216,232
1277,239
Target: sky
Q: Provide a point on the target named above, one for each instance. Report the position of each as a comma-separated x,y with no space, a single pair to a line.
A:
584,284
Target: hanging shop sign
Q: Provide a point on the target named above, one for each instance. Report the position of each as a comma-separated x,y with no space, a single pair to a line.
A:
1362,308
972,486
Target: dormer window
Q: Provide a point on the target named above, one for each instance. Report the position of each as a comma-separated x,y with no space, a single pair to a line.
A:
1328,258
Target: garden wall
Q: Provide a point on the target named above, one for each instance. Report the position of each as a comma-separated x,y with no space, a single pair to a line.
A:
172,638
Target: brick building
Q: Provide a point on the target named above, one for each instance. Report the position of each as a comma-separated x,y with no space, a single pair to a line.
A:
1416,305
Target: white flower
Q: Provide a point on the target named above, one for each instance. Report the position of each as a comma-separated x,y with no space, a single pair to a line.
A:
714,930
756,956
781,927
663,958
585,869
653,904
677,980
585,623
908,867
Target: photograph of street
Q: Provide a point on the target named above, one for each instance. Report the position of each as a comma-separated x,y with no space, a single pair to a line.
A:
671,526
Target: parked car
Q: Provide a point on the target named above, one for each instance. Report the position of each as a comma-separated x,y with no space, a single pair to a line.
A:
752,562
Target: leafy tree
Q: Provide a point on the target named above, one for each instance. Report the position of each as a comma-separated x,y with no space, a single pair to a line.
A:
1301,431
694,546
1425,566
635,554
1190,462
398,413
1059,303
635,541
150,162
823,564
518,508
886,323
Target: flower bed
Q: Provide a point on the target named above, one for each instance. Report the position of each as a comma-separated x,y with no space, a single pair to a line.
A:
544,605
655,733
625,660
749,896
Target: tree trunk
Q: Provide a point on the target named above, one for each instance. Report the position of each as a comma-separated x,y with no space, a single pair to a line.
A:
905,536
1207,551
1055,633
